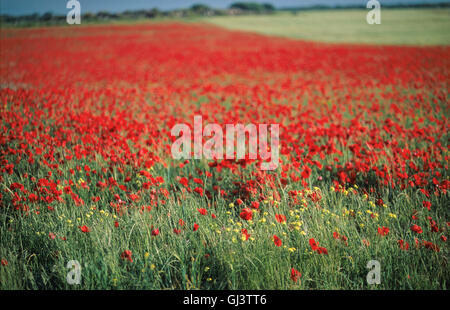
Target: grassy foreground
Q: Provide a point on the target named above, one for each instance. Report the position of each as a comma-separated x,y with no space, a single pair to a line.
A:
398,26
218,255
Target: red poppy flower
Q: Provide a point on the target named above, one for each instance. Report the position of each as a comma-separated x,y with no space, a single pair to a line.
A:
246,214
416,228
315,247
306,172
184,181
199,191
85,229
315,196
313,244
295,275
403,245
196,226
198,181
202,211
255,205
155,232
322,250
426,204
434,227
245,233
280,218
431,246
383,231
133,197
126,255
277,241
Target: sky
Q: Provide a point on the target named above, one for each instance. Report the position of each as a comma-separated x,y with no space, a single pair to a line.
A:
24,7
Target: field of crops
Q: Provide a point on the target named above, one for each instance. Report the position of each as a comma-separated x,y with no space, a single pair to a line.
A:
398,26
87,175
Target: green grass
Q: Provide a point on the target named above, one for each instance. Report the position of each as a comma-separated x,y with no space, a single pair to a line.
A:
36,261
398,26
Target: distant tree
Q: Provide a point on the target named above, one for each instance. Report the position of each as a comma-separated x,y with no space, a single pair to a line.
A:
252,6
88,15
152,13
200,8
268,7
47,16
33,17
103,15
245,6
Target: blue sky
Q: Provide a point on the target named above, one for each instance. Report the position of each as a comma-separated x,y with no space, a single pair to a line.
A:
21,7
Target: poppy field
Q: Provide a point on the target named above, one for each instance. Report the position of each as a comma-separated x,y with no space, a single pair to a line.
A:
86,172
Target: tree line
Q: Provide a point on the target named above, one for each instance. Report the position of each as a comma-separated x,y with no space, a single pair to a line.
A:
199,9
237,8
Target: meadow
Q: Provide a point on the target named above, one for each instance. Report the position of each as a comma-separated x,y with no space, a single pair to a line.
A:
398,26
86,171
